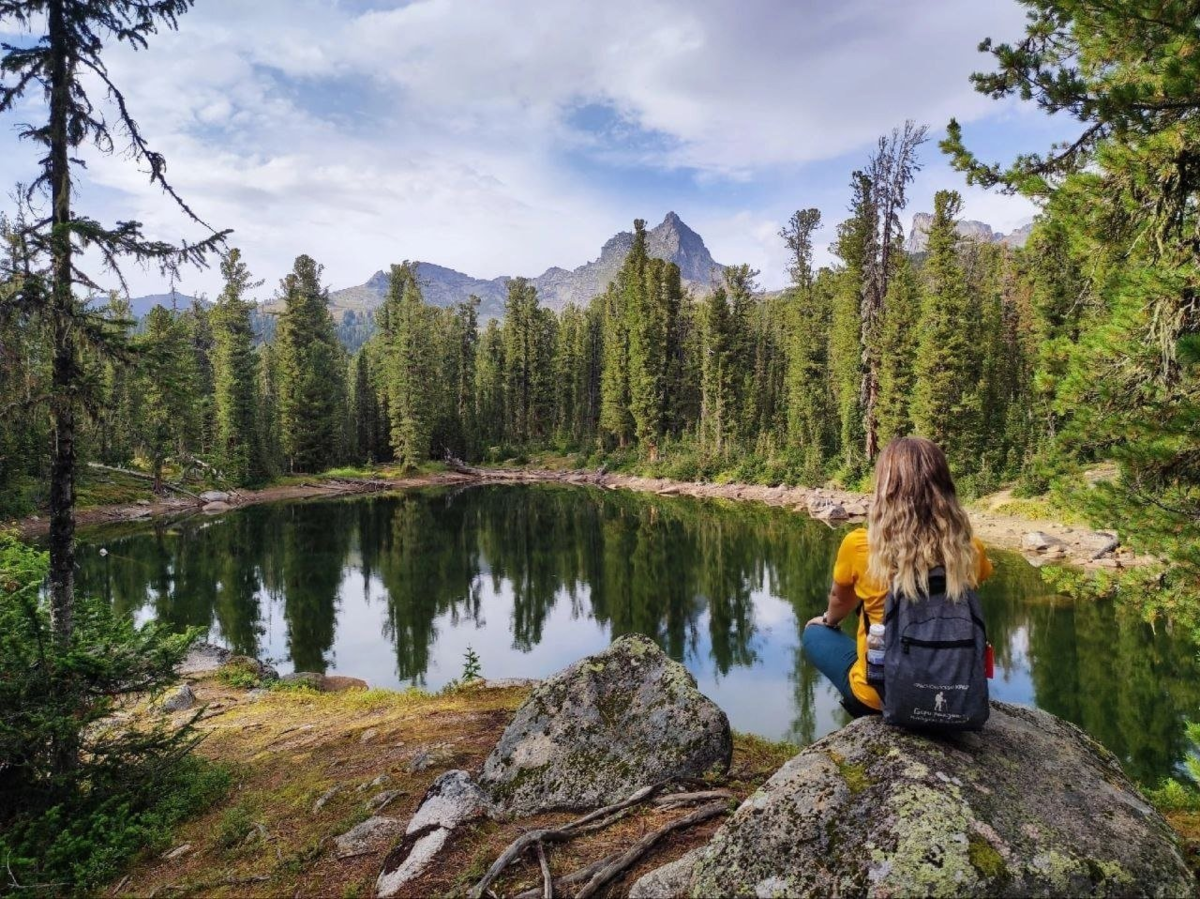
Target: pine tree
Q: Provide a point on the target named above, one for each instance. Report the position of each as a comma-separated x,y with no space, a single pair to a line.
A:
408,350
653,329
270,439
366,409
718,424
891,169
165,382
60,67
529,337
622,296
740,289
235,400
810,398
310,370
898,340
855,238
490,379
945,403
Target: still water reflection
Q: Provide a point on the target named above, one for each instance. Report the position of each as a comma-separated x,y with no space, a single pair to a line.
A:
394,589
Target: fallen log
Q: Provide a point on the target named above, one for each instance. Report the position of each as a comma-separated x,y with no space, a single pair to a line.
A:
175,488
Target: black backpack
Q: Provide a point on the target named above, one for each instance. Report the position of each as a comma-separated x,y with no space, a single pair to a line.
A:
935,669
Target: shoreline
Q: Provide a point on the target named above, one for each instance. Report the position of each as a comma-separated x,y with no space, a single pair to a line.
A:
1060,544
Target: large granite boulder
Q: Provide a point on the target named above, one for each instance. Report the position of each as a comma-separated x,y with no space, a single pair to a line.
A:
1030,806
599,730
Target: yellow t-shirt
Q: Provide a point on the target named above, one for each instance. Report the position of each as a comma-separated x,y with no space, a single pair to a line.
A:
850,569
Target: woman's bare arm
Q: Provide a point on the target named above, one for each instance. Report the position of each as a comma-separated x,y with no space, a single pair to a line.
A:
842,601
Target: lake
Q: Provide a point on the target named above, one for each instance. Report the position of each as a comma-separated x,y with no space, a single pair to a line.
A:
394,589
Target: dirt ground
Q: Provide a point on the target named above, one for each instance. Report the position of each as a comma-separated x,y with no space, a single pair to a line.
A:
287,750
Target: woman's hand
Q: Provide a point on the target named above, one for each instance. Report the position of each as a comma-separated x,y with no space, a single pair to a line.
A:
820,619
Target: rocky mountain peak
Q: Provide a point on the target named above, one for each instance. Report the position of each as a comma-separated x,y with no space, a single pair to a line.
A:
968,229
671,239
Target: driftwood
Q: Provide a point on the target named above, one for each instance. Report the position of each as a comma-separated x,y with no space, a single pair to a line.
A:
571,879
600,873
175,488
631,856
601,817
547,880
676,800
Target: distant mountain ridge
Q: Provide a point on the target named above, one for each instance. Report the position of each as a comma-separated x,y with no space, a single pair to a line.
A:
969,229
671,240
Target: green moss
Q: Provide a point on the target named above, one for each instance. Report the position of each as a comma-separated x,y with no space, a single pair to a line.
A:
986,859
855,776
932,851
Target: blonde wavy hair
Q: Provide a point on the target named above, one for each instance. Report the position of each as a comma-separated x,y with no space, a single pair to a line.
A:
916,523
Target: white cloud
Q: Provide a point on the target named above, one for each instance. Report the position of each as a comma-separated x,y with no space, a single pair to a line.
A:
442,129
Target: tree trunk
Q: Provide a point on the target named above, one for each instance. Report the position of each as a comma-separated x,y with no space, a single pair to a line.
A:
62,467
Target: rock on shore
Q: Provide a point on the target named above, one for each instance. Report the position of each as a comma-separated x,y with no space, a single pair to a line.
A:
1030,806
597,731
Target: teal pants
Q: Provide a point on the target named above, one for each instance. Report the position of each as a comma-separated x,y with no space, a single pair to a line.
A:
833,653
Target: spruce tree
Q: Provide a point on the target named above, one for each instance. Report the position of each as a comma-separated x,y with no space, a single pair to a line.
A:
409,366
235,399
809,404
490,378
718,424
165,383
310,371
854,238
529,335
621,298
64,65
270,440
653,329
945,402
898,340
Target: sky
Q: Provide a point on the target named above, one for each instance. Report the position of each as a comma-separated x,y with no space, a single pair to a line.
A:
501,137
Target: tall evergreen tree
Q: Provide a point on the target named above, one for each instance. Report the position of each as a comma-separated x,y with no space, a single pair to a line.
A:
855,237
166,384
310,372
891,169
66,62
409,368
945,403
621,298
718,424
528,350
490,379
653,329
233,373
898,333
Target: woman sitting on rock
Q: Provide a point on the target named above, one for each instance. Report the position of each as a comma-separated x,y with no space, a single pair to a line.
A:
915,524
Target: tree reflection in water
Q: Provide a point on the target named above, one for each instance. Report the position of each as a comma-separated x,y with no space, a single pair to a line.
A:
393,588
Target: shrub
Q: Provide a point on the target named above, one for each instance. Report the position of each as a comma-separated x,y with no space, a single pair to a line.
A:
80,794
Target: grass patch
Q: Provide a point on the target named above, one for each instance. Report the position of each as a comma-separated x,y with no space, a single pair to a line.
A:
111,491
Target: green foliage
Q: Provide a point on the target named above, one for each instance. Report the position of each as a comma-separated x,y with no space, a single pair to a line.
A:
78,798
1115,265
471,667
309,384
238,444
1182,795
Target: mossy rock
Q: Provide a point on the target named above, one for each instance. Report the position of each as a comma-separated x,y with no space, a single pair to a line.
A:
597,731
1030,806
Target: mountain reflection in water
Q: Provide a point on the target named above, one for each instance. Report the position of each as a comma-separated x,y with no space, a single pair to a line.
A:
393,589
